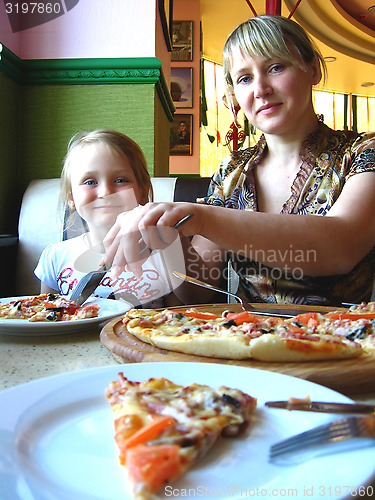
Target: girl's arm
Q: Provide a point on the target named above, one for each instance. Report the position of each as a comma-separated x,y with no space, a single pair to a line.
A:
46,289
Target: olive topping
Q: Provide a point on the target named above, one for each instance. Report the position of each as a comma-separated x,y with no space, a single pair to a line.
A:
229,323
17,306
178,315
358,333
51,297
56,309
265,330
297,323
52,316
226,312
231,400
188,329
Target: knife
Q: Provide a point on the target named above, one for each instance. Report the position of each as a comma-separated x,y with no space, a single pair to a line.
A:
323,407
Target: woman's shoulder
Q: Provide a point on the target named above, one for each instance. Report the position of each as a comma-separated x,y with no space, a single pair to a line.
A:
349,139
337,147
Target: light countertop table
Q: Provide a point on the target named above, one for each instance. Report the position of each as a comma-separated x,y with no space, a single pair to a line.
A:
27,358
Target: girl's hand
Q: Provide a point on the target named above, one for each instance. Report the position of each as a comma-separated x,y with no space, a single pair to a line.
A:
150,225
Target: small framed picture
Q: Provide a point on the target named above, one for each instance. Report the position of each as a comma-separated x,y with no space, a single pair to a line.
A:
182,135
182,87
166,14
182,41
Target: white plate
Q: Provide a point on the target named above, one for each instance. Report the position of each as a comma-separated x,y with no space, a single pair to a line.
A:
108,309
58,443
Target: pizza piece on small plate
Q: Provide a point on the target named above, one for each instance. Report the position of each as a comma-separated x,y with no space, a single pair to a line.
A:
48,308
163,429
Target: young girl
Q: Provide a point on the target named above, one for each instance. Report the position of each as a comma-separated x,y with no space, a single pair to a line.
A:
104,174
295,212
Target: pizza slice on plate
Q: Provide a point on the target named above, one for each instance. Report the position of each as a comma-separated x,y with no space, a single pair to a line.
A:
163,429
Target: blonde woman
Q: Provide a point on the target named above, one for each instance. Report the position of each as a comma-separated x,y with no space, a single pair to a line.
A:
295,212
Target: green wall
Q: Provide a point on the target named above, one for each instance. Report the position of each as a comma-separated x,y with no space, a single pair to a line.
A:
9,152
52,114
43,103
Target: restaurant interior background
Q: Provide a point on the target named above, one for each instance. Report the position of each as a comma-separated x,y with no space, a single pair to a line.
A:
108,64
344,31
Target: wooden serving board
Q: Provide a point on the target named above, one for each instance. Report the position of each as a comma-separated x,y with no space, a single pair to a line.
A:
350,377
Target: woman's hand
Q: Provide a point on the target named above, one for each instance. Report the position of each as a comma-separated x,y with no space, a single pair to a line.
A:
149,225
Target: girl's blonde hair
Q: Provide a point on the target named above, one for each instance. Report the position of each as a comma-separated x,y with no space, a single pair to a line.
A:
271,37
114,141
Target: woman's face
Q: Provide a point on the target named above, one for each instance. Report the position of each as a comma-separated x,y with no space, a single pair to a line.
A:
274,94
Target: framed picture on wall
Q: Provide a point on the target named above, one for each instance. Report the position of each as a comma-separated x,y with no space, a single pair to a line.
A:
182,135
182,41
166,14
182,87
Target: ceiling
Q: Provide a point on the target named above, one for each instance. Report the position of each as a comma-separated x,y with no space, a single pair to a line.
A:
342,29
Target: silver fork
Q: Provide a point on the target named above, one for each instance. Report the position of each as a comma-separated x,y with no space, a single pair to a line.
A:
86,286
340,435
245,305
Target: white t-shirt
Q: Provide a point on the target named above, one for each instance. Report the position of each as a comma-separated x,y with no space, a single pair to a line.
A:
55,268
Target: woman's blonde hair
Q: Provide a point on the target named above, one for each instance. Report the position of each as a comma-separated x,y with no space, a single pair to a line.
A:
271,37
114,141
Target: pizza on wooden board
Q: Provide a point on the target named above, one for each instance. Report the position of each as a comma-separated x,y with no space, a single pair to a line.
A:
163,429
306,337
48,308
357,323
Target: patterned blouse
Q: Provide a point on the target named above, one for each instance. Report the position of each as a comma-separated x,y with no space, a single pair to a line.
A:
329,157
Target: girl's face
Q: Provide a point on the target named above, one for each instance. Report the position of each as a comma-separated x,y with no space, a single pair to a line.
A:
275,95
103,185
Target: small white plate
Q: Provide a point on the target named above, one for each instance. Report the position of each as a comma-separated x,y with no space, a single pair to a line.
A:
108,309
57,440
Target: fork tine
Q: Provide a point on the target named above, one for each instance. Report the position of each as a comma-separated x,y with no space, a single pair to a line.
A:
319,434
86,286
339,434
80,286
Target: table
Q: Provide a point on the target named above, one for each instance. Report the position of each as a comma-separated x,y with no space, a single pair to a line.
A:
23,359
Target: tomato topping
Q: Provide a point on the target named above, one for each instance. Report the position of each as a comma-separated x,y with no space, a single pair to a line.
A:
93,308
306,318
154,465
351,316
51,305
150,431
199,315
244,317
